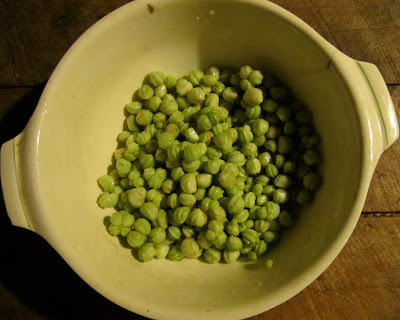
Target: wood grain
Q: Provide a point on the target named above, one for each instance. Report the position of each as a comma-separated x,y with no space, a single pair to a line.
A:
36,34
364,30
364,280
31,47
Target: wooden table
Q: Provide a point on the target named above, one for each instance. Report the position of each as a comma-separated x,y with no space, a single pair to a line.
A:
362,283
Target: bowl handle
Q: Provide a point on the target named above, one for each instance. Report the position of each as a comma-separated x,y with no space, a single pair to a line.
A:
11,183
384,104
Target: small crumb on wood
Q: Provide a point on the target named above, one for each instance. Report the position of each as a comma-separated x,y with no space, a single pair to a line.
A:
150,7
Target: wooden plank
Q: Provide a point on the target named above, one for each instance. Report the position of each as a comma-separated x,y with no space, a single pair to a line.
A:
364,304
364,30
362,283
36,34
31,47
374,44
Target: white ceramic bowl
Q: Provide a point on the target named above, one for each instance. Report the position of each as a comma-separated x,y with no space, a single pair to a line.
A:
49,171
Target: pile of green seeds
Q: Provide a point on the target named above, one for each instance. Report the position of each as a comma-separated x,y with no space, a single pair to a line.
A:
213,165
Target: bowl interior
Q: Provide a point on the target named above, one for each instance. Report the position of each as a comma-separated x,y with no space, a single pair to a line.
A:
84,113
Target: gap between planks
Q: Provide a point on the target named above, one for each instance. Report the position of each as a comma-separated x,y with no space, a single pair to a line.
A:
379,214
